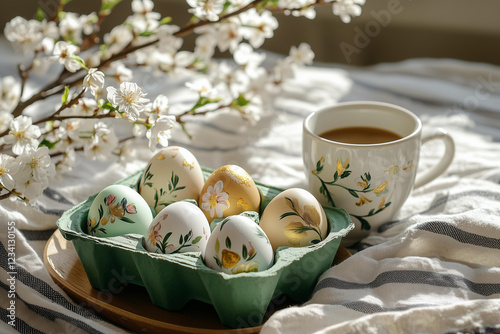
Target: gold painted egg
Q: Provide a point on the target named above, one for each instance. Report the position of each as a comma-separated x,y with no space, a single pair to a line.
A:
228,191
172,175
294,218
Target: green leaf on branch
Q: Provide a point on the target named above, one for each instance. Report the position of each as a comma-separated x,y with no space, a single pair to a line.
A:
64,97
147,33
40,14
203,101
165,20
241,101
107,105
49,144
108,5
80,61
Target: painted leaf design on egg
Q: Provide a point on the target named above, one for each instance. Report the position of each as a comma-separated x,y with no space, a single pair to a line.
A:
217,246
311,215
294,232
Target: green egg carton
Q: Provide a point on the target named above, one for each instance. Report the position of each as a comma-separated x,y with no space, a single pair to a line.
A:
172,280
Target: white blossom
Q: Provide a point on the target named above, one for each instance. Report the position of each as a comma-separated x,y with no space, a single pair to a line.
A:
235,80
143,19
10,91
160,132
118,38
35,170
228,35
129,99
144,23
142,6
168,43
245,56
102,143
23,34
67,162
8,166
206,9
120,72
71,28
347,8
49,29
237,4
68,133
126,153
85,107
205,46
258,27
298,8
65,52
23,135
152,57
94,80
42,63
252,110
181,61
283,70
303,55
88,23
139,130
5,119
201,86
160,105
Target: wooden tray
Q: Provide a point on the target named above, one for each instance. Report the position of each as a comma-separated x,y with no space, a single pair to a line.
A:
132,308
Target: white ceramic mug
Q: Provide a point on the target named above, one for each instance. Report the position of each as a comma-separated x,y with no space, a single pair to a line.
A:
369,181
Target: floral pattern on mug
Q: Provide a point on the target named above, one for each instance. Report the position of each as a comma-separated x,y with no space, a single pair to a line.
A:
362,194
111,211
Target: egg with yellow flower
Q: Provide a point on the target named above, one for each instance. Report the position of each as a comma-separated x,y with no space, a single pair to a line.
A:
228,191
294,218
237,245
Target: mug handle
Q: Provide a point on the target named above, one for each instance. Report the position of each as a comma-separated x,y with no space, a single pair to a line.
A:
445,161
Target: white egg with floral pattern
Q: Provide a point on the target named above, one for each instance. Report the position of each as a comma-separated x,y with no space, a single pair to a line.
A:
172,175
237,245
178,228
118,210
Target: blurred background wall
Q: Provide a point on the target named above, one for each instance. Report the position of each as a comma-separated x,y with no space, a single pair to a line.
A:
388,30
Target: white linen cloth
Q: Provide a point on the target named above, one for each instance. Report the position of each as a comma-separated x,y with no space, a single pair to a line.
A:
435,269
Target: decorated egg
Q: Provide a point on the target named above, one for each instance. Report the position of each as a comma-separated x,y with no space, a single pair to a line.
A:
229,190
179,227
294,218
237,244
172,175
118,210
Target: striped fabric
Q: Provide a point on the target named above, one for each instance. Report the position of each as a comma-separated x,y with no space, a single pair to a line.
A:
434,269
